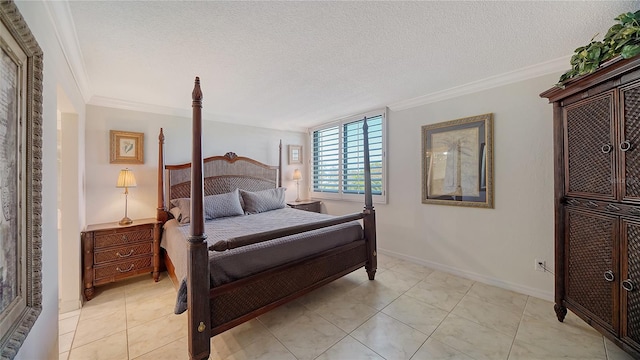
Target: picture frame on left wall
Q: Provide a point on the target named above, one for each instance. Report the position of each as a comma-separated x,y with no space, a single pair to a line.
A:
126,147
21,72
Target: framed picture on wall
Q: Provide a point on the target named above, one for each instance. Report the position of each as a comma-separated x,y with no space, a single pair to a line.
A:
126,147
21,73
457,162
295,154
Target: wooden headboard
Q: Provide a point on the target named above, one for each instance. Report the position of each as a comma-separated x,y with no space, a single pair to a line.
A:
222,174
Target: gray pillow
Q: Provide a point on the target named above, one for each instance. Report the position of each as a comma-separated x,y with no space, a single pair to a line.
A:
184,204
222,205
265,200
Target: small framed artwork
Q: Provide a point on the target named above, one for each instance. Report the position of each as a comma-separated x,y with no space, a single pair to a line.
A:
457,162
295,154
126,147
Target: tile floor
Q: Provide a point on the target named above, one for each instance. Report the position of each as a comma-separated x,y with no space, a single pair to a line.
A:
409,312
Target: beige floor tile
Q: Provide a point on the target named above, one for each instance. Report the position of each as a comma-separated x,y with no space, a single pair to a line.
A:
373,294
65,341
63,356
437,350
178,349
156,333
235,339
112,347
492,294
389,337
266,349
489,315
418,315
103,305
411,269
346,313
449,281
524,351
68,325
359,276
387,261
537,337
397,281
93,328
318,297
349,348
543,310
614,352
436,295
472,339
309,336
69,314
145,288
154,307
283,315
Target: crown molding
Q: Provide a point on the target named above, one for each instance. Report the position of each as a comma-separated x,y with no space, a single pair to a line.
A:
526,73
64,27
137,106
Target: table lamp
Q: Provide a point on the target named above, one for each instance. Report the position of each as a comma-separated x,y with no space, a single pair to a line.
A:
297,175
126,180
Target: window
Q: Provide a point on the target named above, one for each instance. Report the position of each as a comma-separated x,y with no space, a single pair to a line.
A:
338,158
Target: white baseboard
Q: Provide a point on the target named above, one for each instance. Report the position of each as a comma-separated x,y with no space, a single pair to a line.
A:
522,289
69,305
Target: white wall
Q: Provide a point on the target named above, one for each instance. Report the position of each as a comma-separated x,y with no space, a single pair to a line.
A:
494,246
42,340
105,202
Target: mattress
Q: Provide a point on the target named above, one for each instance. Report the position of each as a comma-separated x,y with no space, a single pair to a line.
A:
230,265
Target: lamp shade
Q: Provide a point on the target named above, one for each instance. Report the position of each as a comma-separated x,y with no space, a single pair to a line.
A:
126,179
297,175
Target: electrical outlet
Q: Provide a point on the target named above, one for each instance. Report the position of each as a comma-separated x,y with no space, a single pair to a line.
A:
540,265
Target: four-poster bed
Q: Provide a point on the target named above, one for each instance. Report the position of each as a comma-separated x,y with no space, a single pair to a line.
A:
219,291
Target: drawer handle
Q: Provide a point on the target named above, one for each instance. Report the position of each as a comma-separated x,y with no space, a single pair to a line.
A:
612,207
628,285
573,202
124,271
124,256
606,148
608,275
625,145
592,204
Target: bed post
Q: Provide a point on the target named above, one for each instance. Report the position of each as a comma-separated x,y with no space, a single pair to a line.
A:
280,164
199,319
369,213
161,214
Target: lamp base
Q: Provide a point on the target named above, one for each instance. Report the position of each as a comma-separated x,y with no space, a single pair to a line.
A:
125,221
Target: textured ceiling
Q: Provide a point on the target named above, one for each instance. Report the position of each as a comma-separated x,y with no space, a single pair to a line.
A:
291,65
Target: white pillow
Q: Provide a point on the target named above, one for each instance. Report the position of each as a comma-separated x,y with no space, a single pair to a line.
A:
184,206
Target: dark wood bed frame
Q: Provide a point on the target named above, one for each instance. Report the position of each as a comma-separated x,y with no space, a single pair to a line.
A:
212,311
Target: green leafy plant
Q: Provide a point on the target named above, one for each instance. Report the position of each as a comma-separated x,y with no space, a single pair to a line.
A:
622,39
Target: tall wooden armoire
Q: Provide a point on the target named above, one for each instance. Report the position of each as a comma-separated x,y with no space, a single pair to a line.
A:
596,129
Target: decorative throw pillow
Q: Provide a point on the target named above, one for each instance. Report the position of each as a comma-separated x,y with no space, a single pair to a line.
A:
184,204
265,200
175,211
222,205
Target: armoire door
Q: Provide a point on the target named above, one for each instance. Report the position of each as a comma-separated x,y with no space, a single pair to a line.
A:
592,276
590,148
630,281
628,148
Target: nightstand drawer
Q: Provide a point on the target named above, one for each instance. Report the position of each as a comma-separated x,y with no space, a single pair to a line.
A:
306,205
111,238
122,268
123,252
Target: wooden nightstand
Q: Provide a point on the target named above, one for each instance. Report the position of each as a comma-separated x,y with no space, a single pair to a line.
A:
307,205
111,252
